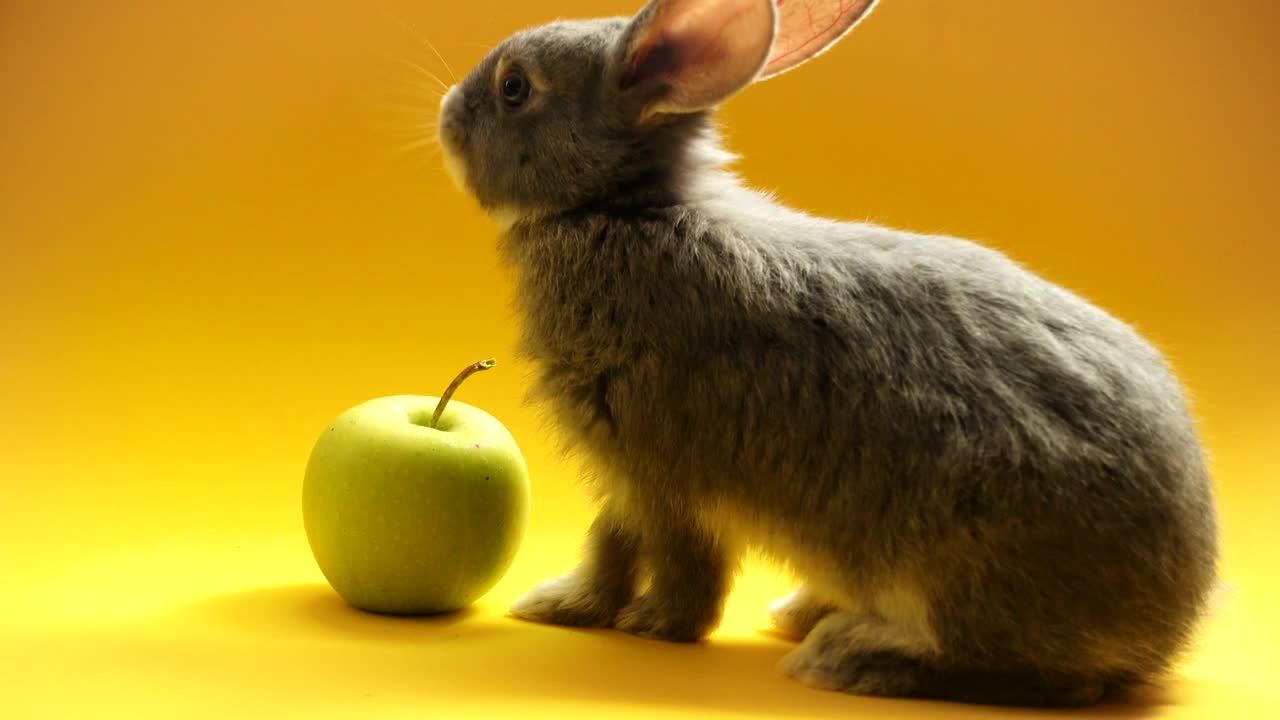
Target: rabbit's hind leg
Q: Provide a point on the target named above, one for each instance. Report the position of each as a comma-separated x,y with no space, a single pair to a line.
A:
864,655
796,614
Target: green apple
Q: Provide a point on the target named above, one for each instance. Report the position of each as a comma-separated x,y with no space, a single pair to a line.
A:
415,505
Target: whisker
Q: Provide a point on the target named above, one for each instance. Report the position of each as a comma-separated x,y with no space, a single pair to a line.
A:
415,92
408,133
420,143
427,73
442,60
415,110
416,113
420,37
416,134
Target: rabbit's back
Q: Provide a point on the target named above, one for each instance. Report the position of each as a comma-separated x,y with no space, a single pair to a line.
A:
938,340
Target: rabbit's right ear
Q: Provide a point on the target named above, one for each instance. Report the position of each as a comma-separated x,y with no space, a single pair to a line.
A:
808,28
680,56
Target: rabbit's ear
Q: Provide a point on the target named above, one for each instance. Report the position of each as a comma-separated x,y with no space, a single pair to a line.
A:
807,28
682,56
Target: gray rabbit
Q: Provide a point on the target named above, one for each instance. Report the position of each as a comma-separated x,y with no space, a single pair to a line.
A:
991,490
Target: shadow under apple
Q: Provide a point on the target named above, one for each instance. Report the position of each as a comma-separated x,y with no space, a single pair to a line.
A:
315,610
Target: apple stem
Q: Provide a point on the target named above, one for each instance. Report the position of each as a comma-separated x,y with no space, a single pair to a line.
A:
453,386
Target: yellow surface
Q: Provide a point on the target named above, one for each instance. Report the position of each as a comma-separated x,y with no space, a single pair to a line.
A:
214,241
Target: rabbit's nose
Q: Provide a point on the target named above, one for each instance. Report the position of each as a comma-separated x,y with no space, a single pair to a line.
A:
453,107
448,96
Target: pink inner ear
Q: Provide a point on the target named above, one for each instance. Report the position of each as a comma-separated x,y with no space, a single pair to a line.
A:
701,50
808,27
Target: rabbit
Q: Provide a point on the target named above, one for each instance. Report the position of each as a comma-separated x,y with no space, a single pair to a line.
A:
989,490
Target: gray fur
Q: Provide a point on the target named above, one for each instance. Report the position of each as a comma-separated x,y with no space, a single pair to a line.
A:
992,490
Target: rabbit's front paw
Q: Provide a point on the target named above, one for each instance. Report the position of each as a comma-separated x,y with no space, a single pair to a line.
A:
565,600
650,617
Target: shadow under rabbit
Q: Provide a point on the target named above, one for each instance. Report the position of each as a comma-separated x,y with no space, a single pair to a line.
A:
479,655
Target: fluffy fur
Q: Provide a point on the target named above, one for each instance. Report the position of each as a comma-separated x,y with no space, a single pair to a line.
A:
992,489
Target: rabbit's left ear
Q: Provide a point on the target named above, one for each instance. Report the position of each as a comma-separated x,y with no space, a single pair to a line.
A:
681,56
807,28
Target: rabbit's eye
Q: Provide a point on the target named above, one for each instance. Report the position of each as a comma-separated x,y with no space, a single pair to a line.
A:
515,88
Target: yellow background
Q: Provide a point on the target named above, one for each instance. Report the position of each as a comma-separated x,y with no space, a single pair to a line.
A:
214,240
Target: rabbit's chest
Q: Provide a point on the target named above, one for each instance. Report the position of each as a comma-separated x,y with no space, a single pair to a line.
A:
582,321
575,322
581,395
